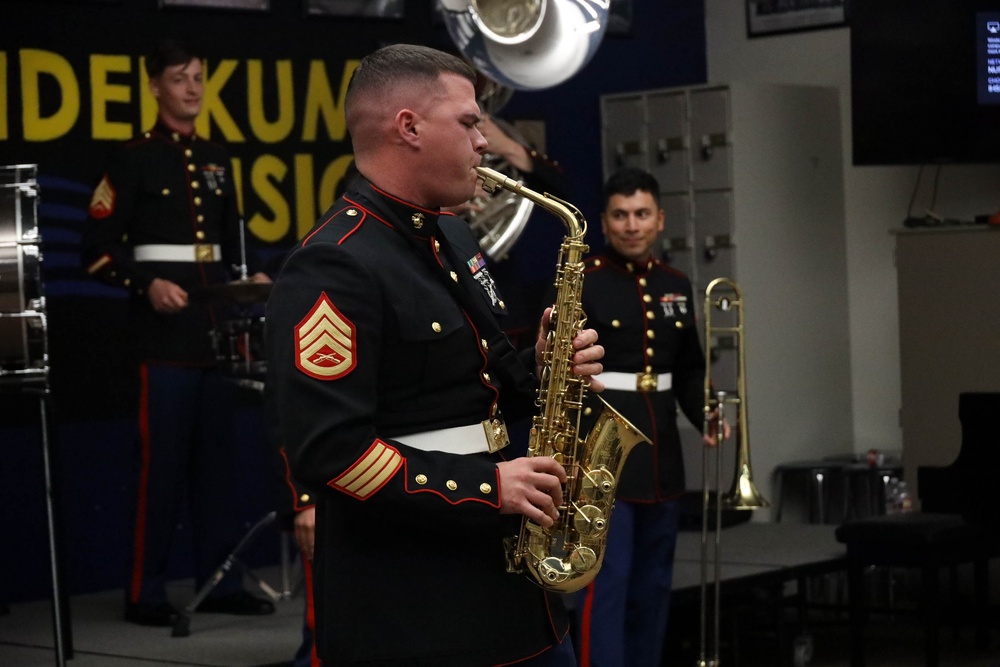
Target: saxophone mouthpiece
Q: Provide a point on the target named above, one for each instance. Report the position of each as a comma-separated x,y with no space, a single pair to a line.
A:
493,180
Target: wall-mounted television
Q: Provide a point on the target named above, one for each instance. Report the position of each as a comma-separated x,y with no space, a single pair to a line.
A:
925,81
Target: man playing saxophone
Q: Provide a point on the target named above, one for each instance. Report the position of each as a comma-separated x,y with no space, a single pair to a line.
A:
644,313
391,377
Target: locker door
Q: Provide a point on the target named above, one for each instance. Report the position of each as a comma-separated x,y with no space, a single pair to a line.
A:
623,120
710,140
675,239
667,146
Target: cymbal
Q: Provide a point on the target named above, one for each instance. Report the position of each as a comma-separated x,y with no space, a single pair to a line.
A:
239,291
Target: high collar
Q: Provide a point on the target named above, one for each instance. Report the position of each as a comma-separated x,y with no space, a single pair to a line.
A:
638,268
167,132
409,218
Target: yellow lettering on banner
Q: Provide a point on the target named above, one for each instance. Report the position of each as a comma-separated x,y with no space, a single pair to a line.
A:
148,107
266,172
319,100
267,131
3,96
332,176
103,92
34,64
237,165
212,106
305,211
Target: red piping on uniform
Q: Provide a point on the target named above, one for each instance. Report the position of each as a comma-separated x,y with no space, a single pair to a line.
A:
403,201
585,620
139,545
318,228
307,573
368,212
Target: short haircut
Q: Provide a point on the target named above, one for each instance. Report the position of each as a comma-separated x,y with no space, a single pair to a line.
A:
167,53
627,181
393,65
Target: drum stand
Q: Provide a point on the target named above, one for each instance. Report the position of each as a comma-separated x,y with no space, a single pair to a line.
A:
36,380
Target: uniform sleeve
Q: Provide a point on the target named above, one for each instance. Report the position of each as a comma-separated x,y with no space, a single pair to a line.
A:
689,373
325,319
106,252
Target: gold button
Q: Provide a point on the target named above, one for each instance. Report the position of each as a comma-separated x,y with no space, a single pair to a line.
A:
420,479
679,324
126,282
650,334
304,498
451,484
650,314
454,276
502,307
187,152
175,136
486,376
218,191
436,326
649,351
200,234
615,323
197,201
146,135
647,298
486,346
166,191
587,411
437,245
642,282
201,218
352,212
597,262
195,184
485,488
630,266
191,167
113,274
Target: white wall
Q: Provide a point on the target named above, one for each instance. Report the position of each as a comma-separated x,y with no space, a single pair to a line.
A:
876,201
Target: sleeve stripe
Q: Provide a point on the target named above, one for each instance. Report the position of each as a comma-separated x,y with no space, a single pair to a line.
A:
370,472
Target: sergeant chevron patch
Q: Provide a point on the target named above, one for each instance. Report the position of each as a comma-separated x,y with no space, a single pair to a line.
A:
325,342
370,472
102,204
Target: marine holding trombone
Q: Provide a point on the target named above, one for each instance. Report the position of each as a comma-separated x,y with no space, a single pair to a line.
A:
644,313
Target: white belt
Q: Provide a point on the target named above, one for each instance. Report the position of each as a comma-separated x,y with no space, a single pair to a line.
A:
487,436
641,382
168,252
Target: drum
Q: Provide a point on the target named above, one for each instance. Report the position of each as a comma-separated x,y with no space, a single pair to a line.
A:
239,348
23,335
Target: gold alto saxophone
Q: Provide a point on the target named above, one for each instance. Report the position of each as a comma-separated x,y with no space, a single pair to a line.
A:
567,556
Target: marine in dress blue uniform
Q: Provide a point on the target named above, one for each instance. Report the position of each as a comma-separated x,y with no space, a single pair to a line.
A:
166,210
644,313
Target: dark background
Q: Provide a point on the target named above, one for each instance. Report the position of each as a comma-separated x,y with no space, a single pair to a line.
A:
92,398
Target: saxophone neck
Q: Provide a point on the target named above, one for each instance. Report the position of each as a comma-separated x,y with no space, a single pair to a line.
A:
573,219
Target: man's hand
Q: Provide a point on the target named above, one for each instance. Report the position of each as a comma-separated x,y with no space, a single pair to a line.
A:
532,487
711,436
586,361
166,296
305,531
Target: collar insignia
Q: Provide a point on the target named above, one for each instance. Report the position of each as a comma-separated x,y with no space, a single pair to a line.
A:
418,220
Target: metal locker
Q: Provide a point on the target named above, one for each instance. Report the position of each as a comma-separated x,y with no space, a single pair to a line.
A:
623,120
711,149
667,140
675,239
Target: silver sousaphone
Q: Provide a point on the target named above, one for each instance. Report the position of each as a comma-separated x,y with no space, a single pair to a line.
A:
518,45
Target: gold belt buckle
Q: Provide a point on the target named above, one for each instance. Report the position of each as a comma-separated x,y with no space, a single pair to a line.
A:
496,434
645,382
204,252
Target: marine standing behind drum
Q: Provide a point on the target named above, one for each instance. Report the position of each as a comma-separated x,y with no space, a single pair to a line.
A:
383,360
163,223
644,313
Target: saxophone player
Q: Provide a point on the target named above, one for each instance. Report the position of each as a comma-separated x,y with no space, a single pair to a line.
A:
390,378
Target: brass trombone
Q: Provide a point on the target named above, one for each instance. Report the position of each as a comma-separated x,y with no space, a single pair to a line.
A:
724,295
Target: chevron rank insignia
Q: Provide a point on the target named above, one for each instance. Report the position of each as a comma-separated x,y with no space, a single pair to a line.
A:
325,342
102,204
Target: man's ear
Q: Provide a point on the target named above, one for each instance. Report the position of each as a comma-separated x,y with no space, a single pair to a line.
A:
406,123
